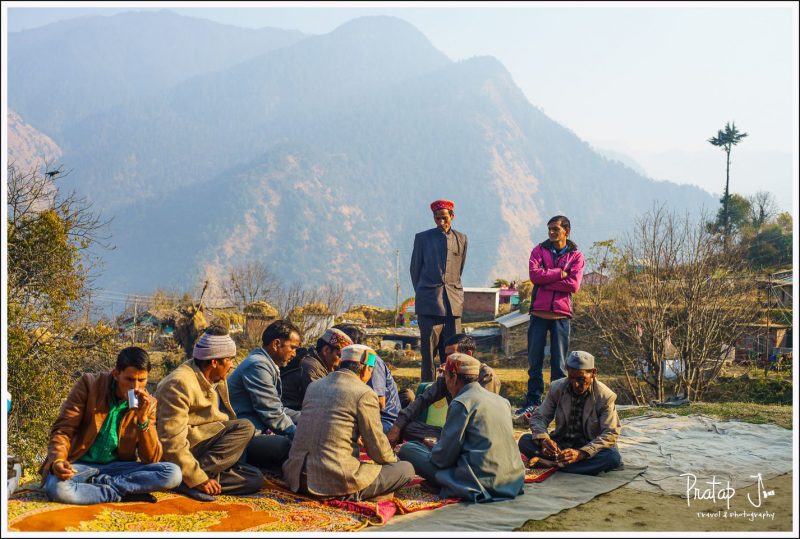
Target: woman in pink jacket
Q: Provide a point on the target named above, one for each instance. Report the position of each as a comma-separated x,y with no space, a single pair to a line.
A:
556,270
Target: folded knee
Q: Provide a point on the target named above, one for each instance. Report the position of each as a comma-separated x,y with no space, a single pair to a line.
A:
172,475
62,492
407,469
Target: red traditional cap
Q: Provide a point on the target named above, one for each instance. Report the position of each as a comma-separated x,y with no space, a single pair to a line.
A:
442,205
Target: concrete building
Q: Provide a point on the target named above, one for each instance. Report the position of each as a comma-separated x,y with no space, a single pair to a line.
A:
480,304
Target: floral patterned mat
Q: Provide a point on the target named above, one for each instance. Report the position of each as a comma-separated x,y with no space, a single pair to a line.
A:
271,509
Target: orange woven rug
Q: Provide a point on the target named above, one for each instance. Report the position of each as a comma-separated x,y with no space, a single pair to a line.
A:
272,509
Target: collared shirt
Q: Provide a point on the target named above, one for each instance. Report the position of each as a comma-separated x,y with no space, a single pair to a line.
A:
573,435
383,384
104,447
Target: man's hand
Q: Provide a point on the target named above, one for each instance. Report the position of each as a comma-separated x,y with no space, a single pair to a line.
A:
210,487
564,274
393,435
550,448
146,404
568,456
430,442
63,470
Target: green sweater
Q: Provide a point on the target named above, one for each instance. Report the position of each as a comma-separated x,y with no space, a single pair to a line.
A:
104,447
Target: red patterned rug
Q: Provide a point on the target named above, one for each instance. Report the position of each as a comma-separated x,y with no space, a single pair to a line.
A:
273,509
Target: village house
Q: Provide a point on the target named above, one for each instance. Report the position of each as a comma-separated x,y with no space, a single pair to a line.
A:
480,304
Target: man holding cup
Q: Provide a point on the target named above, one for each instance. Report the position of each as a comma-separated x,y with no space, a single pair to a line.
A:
94,443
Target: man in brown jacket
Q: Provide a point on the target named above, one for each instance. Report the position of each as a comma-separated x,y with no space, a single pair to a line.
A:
337,411
587,426
198,426
92,454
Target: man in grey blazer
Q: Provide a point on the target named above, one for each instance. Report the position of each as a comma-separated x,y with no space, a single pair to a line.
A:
476,457
587,426
339,412
436,266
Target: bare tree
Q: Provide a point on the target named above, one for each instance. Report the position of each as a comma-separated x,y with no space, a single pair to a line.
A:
249,281
671,285
763,208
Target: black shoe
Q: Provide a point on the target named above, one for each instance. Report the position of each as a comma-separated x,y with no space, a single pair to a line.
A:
144,497
193,493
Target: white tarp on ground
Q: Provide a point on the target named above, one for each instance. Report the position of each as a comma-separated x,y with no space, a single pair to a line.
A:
556,493
670,445
663,446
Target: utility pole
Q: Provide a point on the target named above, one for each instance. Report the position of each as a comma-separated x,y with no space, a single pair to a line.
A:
397,287
769,308
133,334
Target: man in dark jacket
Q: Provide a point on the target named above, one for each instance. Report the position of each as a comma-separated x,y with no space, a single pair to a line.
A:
437,263
316,363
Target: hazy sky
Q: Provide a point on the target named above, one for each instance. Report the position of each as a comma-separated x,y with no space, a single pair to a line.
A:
650,81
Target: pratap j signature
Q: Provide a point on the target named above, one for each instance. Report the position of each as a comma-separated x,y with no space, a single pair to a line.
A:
717,490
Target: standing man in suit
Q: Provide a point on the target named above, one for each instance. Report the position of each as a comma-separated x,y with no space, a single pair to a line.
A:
436,266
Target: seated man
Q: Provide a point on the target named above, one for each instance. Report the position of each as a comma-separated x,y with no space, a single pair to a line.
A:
94,443
255,388
408,426
338,410
382,382
316,363
198,427
476,458
587,427
384,386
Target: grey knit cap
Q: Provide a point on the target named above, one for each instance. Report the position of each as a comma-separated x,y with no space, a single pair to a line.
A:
214,347
583,361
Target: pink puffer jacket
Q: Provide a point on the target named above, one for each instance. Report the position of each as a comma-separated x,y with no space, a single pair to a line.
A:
550,291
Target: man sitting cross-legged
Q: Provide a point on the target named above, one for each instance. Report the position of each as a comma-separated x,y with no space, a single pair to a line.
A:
587,426
408,426
256,388
338,411
476,458
198,426
94,443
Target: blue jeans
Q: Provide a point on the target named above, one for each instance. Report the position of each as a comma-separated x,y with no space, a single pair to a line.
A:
104,483
559,343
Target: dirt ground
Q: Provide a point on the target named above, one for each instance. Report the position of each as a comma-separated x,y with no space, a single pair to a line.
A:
631,510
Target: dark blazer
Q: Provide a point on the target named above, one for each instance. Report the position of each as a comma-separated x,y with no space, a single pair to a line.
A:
434,270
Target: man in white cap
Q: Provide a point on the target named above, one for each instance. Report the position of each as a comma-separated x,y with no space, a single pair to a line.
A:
587,426
198,427
338,410
476,457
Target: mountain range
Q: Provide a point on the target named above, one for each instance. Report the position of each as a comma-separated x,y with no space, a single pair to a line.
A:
317,154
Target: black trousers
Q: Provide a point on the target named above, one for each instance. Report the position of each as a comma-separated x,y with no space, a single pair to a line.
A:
434,332
268,451
417,431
